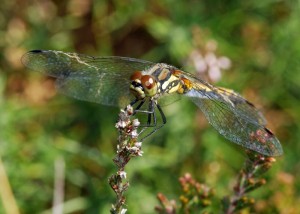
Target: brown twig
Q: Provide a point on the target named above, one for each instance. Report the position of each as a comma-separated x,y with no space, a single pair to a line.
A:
128,147
249,179
195,197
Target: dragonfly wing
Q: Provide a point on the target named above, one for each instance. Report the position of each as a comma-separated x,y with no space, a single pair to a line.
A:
103,80
103,89
231,122
243,107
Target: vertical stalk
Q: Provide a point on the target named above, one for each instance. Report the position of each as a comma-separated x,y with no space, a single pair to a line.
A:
127,147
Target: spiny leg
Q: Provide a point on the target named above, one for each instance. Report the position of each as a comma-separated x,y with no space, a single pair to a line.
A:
164,119
134,102
139,105
151,110
151,113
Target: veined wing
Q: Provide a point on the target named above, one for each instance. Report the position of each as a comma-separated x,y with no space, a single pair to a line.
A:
243,107
103,80
234,119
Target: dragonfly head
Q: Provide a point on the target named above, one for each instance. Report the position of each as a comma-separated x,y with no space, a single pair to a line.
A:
143,85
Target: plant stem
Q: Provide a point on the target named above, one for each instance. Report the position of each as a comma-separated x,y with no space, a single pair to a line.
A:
127,147
249,179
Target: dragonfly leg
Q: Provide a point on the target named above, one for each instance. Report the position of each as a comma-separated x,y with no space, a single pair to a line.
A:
139,105
134,102
150,112
151,116
164,120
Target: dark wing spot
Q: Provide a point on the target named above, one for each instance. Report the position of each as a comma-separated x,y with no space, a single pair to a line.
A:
249,103
36,51
269,132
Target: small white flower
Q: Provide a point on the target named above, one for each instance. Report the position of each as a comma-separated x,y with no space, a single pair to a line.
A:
136,123
123,211
121,124
134,134
134,149
214,73
122,174
140,153
224,62
200,65
138,144
210,59
129,109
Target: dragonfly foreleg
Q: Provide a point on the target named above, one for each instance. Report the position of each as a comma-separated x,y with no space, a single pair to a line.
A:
164,119
151,113
156,128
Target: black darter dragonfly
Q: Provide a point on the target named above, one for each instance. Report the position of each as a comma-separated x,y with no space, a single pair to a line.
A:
117,81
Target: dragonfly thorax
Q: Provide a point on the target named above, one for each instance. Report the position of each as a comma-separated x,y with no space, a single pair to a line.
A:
143,86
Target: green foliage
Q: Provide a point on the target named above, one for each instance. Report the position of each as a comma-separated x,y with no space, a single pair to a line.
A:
38,127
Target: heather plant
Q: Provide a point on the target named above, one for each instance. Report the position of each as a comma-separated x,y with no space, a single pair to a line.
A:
195,197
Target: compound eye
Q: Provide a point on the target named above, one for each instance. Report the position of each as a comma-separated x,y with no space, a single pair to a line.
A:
148,82
137,75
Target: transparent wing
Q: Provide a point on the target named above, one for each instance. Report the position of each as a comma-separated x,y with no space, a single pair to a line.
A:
168,99
103,80
233,125
242,107
233,117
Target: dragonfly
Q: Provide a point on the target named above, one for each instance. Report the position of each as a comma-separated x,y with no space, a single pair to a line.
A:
117,81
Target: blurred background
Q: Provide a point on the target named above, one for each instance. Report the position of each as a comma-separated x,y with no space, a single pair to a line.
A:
252,47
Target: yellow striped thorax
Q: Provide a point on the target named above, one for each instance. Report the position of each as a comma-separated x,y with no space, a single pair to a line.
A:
158,80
